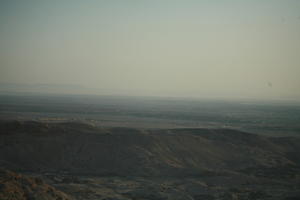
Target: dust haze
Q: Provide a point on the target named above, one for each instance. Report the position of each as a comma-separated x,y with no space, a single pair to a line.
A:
160,48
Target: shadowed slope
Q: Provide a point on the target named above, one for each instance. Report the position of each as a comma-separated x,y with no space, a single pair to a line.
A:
85,149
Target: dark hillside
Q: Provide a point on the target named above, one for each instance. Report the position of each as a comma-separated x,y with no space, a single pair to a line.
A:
84,149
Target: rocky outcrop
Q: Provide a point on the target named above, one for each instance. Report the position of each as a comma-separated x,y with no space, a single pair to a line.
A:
15,186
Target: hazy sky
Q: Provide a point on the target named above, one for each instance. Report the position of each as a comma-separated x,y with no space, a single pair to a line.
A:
225,48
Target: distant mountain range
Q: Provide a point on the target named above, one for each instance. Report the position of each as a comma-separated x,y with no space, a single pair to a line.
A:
44,88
